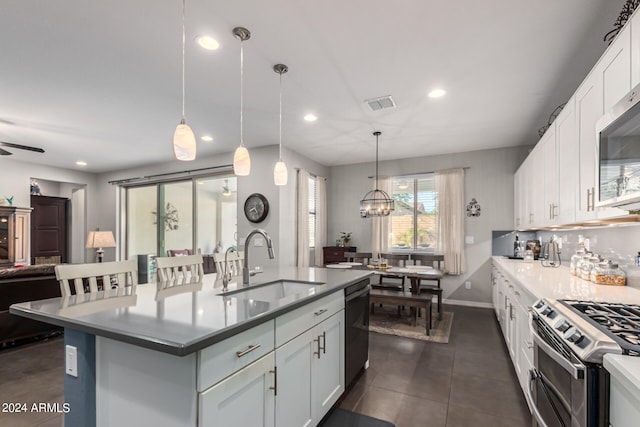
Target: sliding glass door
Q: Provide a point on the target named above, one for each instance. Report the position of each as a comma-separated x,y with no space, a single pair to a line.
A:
198,214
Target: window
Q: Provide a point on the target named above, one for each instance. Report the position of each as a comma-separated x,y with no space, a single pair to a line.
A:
312,211
413,222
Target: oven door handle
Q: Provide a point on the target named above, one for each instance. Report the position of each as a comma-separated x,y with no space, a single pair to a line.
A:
535,376
534,409
576,370
358,294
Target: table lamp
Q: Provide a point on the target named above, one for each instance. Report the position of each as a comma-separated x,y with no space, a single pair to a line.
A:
100,239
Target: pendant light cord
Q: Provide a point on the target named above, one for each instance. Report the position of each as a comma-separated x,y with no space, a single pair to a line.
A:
241,90
280,147
183,56
376,162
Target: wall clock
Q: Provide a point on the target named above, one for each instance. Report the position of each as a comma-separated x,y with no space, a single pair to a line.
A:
256,207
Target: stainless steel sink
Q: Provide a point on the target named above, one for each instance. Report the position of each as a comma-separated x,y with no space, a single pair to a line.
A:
273,291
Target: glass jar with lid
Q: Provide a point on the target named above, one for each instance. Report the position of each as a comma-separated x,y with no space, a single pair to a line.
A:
608,273
575,259
587,265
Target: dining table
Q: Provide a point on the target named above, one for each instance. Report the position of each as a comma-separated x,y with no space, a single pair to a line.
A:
415,274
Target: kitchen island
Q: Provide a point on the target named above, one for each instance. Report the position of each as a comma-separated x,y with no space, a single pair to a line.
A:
263,355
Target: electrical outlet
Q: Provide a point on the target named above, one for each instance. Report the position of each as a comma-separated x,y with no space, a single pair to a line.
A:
259,241
467,285
71,365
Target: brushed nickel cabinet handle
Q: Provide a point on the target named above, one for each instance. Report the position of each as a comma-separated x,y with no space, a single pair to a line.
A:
593,198
588,199
324,342
319,312
248,350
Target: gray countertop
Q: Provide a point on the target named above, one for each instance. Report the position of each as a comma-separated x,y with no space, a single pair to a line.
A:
185,319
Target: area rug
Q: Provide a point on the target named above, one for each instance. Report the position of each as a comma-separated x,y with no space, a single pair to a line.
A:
385,320
339,417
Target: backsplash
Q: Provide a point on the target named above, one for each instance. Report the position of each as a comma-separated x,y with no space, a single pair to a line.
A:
619,243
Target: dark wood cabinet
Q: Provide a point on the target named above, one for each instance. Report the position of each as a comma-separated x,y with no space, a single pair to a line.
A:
333,254
49,229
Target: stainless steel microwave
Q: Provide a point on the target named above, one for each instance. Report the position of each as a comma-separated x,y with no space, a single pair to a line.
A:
618,167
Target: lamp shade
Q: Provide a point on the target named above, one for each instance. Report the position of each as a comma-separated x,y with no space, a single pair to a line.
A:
241,161
101,239
280,174
184,142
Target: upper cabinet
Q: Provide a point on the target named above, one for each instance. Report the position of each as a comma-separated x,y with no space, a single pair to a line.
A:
561,169
567,163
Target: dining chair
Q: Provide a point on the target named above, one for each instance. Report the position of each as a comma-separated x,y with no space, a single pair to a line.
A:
363,257
392,282
92,278
187,268
437,263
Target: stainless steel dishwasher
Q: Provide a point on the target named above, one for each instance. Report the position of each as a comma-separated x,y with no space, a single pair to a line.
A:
356,329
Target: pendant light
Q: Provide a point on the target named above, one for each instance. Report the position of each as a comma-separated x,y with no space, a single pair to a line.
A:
241,159
184,142
280,170
376,202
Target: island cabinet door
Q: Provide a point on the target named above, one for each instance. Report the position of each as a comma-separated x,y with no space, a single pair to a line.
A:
246,398
328,365
293,402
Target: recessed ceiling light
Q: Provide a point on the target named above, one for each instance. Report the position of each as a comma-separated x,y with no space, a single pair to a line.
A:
437,93
208,42
207,138
311,117
81,163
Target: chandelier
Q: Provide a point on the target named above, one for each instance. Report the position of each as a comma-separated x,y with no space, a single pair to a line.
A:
376,202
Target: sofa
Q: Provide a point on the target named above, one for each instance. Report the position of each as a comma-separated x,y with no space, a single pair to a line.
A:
22,284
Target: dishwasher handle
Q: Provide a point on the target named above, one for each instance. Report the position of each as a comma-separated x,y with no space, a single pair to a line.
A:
358,294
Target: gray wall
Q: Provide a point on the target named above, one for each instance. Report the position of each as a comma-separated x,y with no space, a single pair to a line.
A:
489,180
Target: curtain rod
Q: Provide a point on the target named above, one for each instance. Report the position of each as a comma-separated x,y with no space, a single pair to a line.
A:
311,174
159,175
422,173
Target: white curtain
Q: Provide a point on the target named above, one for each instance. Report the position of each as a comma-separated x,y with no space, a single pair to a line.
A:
321,219
451,211
380,225
302,219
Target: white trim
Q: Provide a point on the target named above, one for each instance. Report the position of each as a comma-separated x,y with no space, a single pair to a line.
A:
468,303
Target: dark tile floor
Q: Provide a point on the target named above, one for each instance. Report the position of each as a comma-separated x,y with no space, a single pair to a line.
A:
468,382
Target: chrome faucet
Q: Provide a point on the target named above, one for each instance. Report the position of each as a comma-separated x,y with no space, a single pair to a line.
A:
245,271
226,277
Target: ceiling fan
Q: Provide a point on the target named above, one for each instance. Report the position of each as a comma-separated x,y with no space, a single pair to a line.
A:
22,147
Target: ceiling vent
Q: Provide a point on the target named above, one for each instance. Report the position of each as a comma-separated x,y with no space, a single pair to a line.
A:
381,103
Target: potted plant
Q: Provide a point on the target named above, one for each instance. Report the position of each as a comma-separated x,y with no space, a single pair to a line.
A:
346,238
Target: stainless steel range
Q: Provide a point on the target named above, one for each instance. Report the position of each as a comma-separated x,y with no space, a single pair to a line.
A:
568,385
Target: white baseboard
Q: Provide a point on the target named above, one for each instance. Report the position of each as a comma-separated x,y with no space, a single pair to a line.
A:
468,303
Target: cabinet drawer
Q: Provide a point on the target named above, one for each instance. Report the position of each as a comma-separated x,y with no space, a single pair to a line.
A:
295,322
224,358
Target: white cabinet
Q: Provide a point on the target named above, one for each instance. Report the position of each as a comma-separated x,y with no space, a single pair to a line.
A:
310,373
567,164
534,170
635,49
513,311
614,69
588,111
550,177
519,198
246,398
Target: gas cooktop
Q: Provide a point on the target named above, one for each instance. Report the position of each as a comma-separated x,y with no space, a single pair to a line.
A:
621,322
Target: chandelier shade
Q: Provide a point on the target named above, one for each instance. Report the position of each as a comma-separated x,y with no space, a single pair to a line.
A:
280,174
241,161
376,202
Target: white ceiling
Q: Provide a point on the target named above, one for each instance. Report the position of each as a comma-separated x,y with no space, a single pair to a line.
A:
100,81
